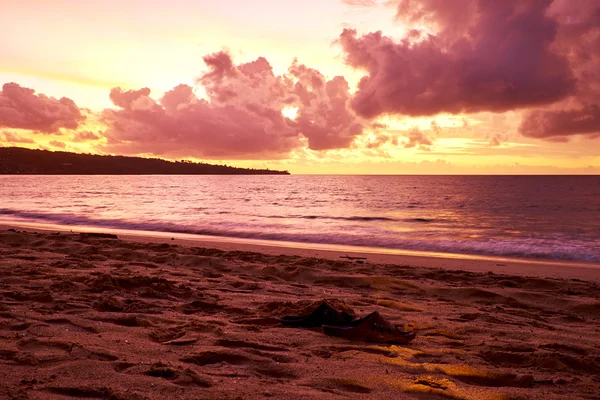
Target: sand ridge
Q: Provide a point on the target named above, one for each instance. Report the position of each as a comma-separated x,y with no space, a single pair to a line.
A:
85,317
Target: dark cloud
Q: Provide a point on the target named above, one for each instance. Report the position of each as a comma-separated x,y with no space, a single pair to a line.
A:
485,56
578,39
241,116
21,108
553,123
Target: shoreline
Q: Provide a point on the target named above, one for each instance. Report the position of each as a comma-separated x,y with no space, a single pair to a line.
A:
448,261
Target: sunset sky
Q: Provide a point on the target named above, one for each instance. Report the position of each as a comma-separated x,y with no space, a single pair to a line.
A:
318,86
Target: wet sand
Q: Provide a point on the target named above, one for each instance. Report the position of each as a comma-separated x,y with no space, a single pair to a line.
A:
151,318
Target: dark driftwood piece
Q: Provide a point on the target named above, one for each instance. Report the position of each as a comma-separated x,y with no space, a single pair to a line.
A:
354,258
99,235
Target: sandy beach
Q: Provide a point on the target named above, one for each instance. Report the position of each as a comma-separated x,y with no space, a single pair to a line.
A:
344,199
152,318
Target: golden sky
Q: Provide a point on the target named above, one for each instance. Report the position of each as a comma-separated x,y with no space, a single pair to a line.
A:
319,86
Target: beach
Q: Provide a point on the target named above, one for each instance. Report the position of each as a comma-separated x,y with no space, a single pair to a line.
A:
346,199
151,318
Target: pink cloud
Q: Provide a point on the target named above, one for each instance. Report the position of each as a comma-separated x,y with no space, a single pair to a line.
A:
85,136
416,138
127,99
21,108
486,56
322,116
435,127
381,140
15,138
496,139
361,3
58,144
241,116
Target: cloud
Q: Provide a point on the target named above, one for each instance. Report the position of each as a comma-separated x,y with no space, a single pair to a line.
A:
496,139
85,136
381,140
417,138
128,99
322,114
578,39
482,56
563,122
241,116
435,127
15,138
21,108
56,143
361,3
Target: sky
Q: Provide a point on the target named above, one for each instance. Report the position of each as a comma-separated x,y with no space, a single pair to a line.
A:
318,86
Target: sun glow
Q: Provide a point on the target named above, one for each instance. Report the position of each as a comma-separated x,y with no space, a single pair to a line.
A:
290,112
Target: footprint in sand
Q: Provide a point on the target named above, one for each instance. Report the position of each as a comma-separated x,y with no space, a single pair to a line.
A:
200,306
542,360
69,325
109,304
172,373
256,366
64,287
248,345
337,385
42,352
179,335
127,321
84,392
216,357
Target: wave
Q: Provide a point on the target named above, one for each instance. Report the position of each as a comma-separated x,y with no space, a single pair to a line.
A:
538,248
353,218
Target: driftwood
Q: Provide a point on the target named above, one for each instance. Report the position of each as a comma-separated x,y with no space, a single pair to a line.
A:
99,235
354,258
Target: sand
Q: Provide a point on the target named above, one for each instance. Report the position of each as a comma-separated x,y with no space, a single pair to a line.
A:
150,318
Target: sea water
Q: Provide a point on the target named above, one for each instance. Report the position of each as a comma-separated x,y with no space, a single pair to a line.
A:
541,217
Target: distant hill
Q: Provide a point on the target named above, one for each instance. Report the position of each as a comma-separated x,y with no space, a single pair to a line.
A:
17,160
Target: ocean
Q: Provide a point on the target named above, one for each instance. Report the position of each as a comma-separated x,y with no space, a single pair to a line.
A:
532,217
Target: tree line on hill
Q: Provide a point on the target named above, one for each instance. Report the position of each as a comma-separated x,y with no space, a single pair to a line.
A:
16,160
